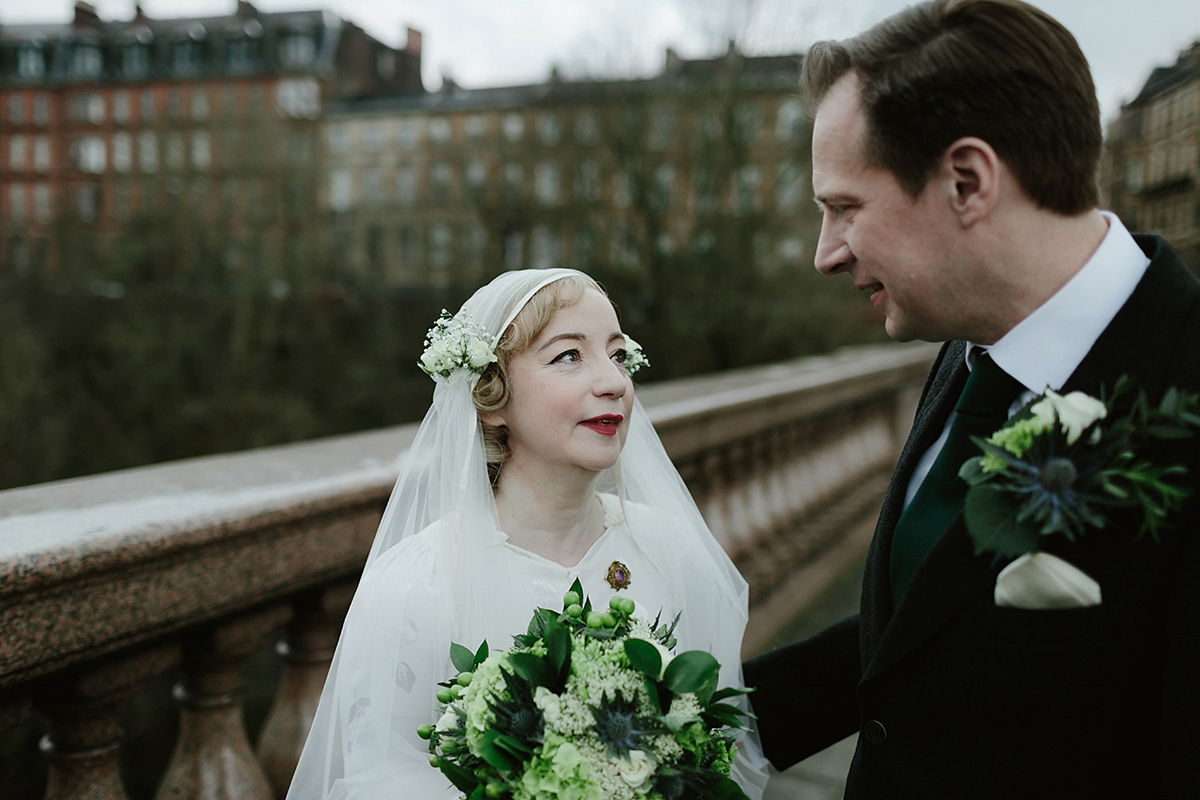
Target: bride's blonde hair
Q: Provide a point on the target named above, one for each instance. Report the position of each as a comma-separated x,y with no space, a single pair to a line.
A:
492,392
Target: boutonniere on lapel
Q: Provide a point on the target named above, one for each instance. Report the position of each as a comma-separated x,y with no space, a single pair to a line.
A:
1061,466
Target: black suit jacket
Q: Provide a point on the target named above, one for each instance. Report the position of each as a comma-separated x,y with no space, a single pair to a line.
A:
958,698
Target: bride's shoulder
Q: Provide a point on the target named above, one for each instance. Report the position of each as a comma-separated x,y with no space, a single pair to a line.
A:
638,516
416,557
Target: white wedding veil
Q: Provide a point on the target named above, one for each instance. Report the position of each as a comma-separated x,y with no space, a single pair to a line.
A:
355,740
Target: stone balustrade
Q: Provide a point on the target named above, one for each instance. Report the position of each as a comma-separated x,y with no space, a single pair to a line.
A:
187,569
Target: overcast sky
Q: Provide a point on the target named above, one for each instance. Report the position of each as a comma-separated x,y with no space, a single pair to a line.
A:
500,42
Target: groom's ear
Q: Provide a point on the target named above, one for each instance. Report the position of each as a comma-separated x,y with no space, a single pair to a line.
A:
973,175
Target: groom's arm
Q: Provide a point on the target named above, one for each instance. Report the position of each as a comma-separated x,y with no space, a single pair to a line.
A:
806,693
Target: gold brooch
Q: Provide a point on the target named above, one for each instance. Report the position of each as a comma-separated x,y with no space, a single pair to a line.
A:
618,575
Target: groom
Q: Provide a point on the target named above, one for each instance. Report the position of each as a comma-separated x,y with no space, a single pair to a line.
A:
955,150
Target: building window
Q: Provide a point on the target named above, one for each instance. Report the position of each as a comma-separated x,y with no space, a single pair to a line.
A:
187,57
146,107
87,107
439,130
199,103
148,151
545,183
41,109
135,61
42,160
406,185
121,203
476,126
706,193
341,189
299,98
86,61
373,187
122,152
745,198
121,107
243,53
587,182
789,187
514,250
621,192
16,153
43,206
514,178
339,137
662,187
440,178
476,178
175,153
87,202
88,154
514,127
372,135
587,128
788,120
31,62
545,248
439,252
16,108
408,133
201,150
16,202
297,51
549,129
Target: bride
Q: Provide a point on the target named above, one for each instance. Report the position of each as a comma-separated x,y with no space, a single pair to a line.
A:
534,467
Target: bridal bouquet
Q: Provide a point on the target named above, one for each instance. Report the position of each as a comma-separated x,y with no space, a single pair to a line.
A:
587,705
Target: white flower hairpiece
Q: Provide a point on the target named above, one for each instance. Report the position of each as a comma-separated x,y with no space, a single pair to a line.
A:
635,359
456,343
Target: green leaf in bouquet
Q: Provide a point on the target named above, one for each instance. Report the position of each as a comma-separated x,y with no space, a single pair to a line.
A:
644,657
478,794
495,755
692,671
659,697
558,653
724,788
480,655
463,779
730,691
462,658
532,669
993,526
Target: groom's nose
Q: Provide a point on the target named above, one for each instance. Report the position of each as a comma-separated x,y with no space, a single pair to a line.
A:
833,254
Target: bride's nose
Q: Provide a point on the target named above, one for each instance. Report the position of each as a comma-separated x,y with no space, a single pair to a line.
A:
610,380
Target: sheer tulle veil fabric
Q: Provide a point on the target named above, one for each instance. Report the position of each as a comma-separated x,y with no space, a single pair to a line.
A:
359,744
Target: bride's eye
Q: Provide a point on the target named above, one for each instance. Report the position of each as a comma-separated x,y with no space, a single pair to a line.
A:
619,356
567,357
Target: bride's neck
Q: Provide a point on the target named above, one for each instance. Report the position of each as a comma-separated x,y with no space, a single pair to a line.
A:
558,520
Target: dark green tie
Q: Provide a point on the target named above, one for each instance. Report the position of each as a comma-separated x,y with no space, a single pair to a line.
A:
981,410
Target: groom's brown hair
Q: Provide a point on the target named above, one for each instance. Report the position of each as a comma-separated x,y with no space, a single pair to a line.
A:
1001,70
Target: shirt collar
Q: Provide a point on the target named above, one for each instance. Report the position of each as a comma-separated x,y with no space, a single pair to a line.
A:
1045,348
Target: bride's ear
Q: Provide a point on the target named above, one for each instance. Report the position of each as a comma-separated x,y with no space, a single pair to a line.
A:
493,418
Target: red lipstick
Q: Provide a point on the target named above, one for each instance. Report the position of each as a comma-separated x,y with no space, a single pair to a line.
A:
605,424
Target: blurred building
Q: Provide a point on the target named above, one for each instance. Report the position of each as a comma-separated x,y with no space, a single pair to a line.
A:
1151,169
209,122
706,162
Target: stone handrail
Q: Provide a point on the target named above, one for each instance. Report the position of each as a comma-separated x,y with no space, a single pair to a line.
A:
108,582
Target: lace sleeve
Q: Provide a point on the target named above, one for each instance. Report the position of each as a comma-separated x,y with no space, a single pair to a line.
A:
394,649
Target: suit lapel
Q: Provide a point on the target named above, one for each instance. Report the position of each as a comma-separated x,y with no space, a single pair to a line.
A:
1138,342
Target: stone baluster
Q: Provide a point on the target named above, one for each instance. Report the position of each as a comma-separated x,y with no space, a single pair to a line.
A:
306,650
83,742
212,758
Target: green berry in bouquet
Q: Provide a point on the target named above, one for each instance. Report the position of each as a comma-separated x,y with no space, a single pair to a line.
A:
588,704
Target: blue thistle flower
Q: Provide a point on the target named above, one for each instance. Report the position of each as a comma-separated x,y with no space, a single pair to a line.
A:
619,726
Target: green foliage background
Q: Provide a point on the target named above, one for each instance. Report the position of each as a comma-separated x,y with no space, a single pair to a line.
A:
92,382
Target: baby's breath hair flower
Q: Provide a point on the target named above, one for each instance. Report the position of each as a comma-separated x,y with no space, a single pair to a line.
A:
635,359
456,344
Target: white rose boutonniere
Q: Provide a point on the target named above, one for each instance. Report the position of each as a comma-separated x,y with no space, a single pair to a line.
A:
1063,462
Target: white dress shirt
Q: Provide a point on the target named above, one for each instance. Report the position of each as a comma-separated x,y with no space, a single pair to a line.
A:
1044,349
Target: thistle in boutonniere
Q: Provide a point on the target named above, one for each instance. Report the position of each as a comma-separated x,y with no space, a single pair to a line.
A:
1064,462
